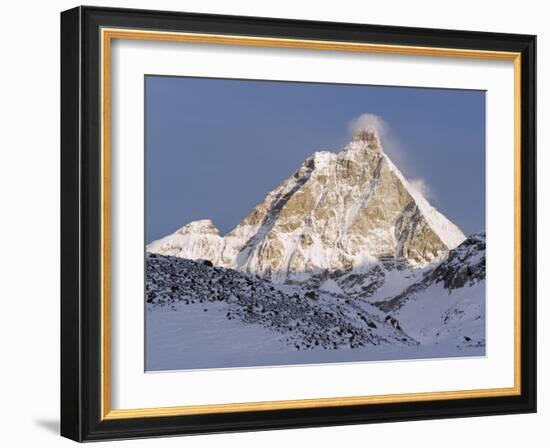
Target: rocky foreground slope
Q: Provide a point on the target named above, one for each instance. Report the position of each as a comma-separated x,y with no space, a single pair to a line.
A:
305,318
205,316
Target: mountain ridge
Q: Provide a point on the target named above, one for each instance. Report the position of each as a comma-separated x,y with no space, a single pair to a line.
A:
336,212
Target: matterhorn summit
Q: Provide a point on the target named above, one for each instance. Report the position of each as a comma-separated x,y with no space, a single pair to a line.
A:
338,212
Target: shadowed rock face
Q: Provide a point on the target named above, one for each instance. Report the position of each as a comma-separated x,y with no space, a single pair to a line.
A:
465,266
335,213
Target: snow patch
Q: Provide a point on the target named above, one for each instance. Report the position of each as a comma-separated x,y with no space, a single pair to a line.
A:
331,286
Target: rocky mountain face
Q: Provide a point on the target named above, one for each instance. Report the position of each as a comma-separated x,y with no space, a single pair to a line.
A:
336,215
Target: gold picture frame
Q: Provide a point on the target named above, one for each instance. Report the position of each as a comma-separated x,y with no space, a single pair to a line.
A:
108,30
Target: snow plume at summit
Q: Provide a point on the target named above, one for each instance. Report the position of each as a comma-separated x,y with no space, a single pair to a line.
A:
369,122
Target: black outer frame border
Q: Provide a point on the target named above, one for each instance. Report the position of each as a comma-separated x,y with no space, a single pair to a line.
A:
80,224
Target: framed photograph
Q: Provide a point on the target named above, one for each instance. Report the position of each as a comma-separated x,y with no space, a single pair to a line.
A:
273,223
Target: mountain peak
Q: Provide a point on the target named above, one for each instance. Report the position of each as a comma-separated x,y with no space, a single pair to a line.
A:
366,139
367,135
201,226
338,212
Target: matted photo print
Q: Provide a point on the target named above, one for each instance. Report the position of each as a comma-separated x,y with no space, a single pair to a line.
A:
292,223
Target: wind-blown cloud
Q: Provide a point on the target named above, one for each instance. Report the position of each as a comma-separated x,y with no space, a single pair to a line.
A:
420,185
366,122
393,148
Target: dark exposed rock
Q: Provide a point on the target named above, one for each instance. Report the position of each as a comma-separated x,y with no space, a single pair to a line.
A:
305,323
464,266
312,295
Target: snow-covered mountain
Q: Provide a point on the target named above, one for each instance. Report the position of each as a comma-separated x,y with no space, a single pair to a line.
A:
344,254
339,212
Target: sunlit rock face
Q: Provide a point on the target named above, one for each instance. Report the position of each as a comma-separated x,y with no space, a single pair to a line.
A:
338,213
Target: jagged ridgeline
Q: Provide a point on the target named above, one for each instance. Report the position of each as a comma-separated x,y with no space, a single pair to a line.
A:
336,212
344,253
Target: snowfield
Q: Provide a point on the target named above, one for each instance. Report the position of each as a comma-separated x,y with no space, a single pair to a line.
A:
202,316
190,338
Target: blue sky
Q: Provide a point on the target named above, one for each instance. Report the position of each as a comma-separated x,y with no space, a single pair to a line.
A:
215,148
